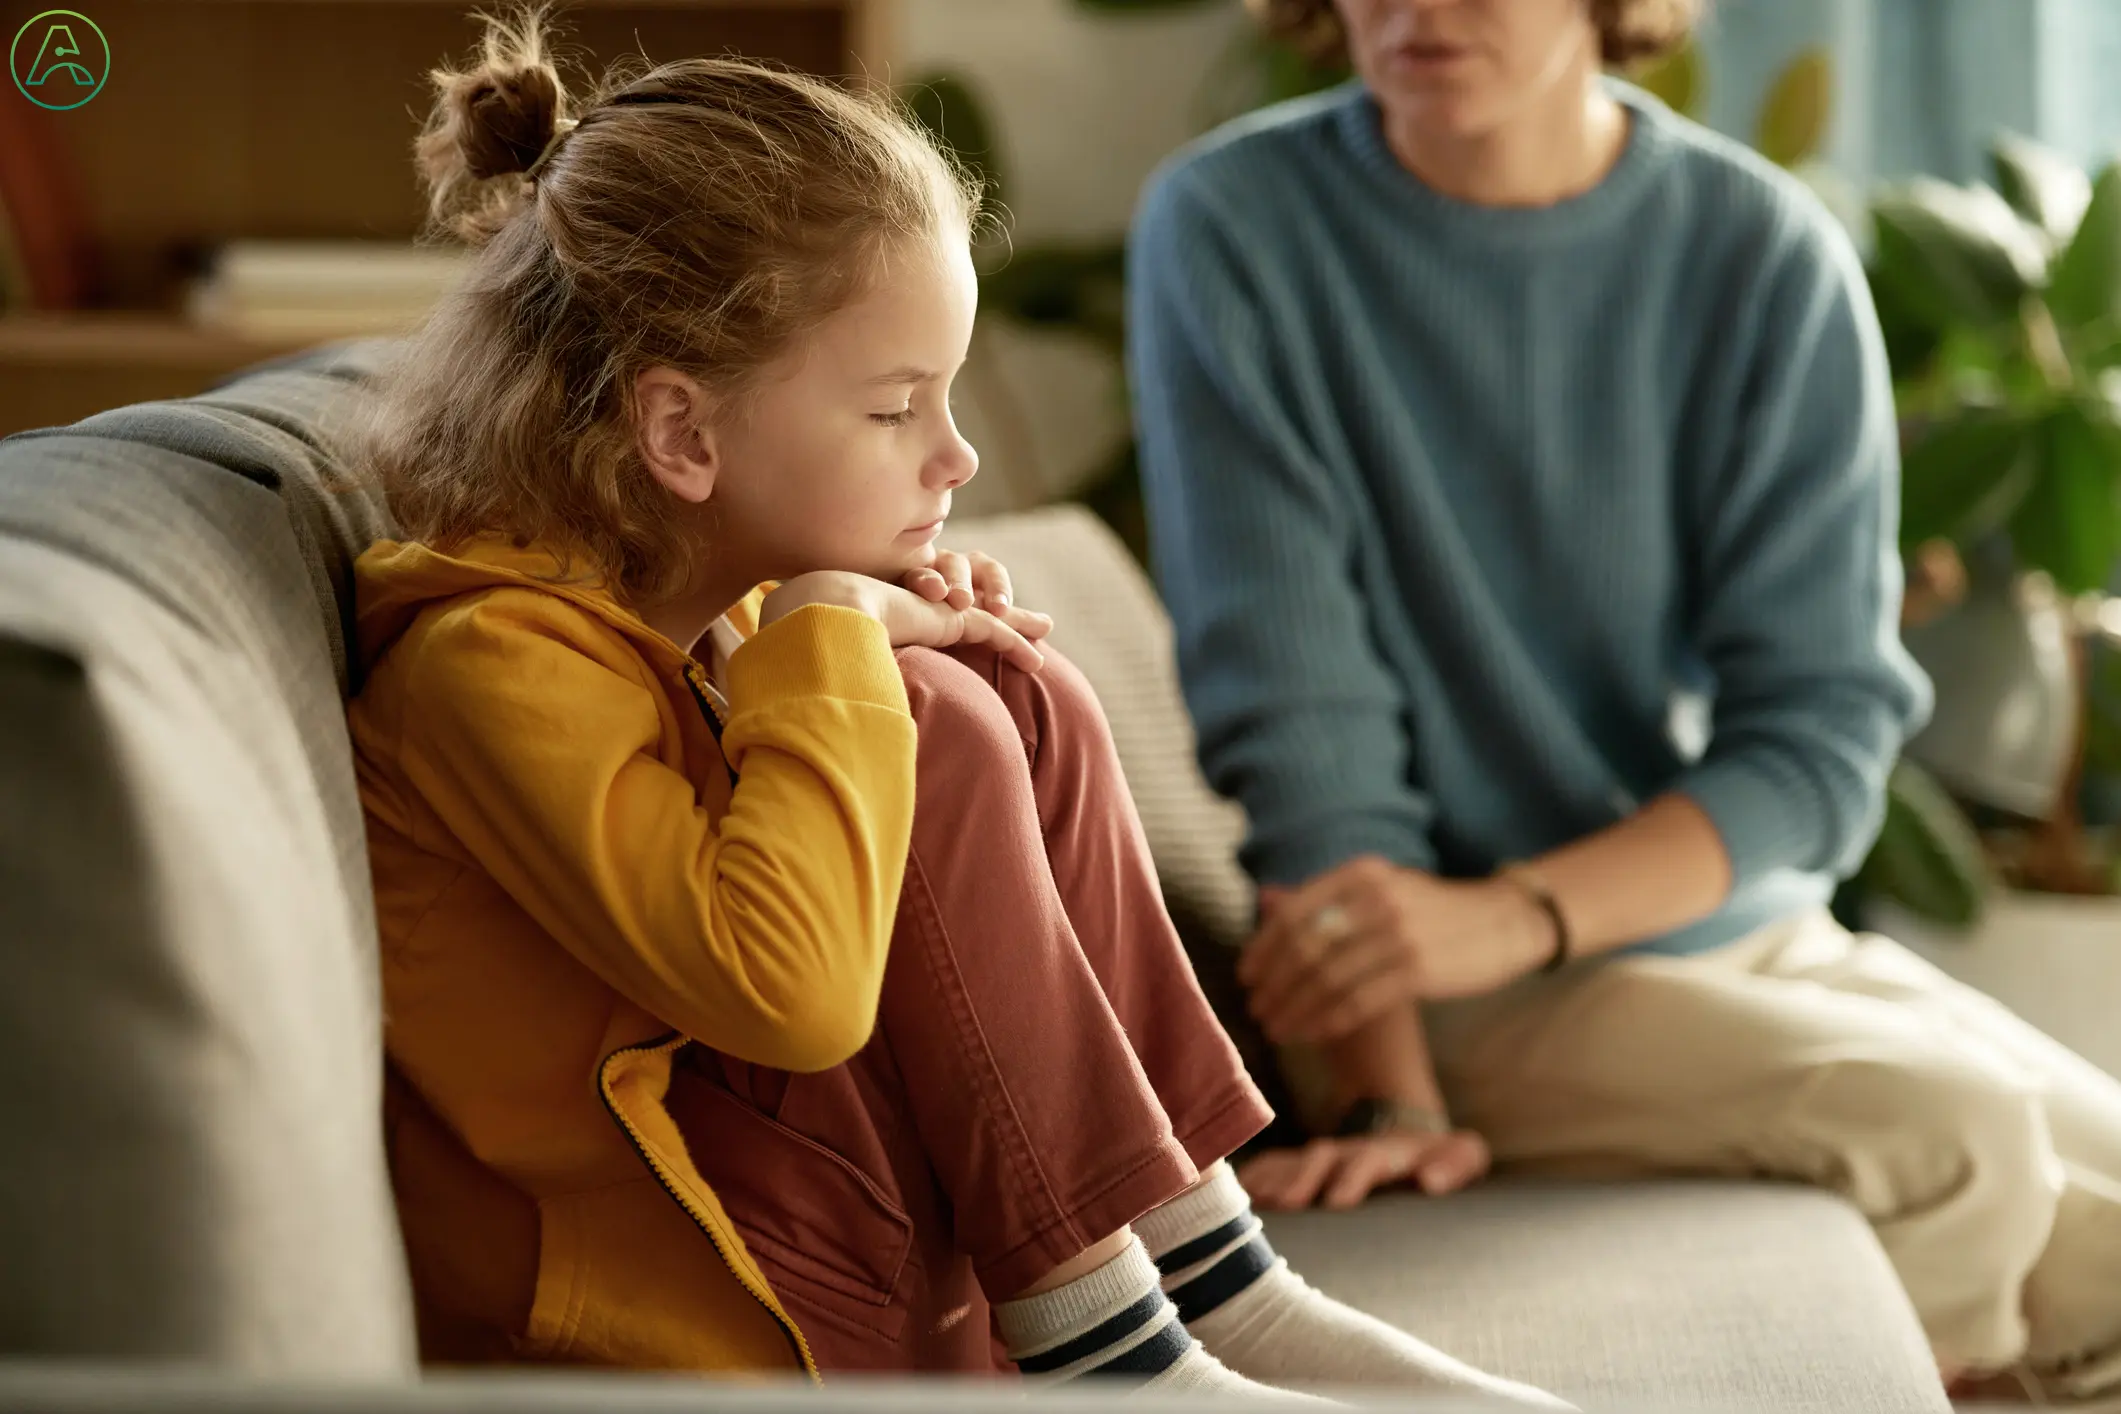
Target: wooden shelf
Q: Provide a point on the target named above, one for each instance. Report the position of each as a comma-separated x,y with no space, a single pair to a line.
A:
58,368
464,7
126,339
295,119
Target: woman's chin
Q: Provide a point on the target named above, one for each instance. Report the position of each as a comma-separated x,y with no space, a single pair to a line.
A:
1438,112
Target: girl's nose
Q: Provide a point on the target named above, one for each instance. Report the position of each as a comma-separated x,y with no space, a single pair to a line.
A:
957,462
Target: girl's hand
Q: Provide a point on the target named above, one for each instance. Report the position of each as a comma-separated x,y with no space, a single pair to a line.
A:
1340,1173
907,618
969,580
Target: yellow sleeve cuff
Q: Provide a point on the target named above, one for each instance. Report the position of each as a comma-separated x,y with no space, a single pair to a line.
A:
820,650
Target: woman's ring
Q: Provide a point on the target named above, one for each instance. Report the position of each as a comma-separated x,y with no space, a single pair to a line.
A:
1330,922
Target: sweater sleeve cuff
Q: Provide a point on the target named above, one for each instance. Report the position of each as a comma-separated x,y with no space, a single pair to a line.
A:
1762,828
820,650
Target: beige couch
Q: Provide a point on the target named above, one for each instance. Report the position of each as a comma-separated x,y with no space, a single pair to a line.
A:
189,1067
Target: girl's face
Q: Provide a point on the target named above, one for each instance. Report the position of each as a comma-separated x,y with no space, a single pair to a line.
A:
845,456
1461,68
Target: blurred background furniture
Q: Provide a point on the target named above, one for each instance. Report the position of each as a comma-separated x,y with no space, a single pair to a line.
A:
189,1042
233,119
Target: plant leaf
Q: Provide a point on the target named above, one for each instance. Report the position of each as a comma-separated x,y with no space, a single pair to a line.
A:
1954,255
2102,735
2041,184
1677,79
1965,477
1927,858
1800,103
2069,523
1288,74
2085,285
951,110
1064,286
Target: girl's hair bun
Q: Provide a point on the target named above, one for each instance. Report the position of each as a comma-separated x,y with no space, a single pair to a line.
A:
489,120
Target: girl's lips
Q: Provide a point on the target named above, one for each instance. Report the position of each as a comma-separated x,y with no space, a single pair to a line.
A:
931,528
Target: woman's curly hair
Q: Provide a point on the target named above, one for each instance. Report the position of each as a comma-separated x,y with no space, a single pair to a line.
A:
1628,30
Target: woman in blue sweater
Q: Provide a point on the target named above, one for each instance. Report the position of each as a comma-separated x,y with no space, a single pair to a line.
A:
1522,471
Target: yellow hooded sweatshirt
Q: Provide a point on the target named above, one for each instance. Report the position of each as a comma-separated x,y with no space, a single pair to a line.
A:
569,887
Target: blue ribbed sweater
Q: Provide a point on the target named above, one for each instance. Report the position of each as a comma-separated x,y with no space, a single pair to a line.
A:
1482,526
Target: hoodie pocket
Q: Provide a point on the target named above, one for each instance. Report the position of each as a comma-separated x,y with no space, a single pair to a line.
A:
826,1233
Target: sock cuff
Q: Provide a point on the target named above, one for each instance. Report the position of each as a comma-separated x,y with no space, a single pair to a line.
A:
1031,1324
1229,1276
1218,1199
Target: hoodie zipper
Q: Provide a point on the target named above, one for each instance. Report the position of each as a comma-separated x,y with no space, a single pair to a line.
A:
670,1040
692,674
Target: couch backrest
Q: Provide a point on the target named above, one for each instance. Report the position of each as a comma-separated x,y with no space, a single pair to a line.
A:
190,1065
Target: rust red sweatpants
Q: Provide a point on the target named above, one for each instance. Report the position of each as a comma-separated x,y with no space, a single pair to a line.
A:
1044,1068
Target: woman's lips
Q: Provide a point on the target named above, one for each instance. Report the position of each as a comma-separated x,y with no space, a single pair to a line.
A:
1428,58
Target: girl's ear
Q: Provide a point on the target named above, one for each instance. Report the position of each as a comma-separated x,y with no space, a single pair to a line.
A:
676,435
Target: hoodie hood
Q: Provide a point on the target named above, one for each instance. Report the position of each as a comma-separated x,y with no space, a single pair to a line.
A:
396,579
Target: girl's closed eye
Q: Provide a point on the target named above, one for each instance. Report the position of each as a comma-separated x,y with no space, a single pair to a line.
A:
893,419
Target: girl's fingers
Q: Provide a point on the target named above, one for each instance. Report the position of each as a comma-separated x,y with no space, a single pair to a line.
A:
928,584
957,570
983,627
996,595
1027,622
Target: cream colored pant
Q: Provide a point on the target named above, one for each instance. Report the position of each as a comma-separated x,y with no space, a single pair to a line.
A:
1987,1157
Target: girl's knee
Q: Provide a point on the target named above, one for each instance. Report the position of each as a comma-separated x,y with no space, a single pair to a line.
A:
1069,698
956,709
972,680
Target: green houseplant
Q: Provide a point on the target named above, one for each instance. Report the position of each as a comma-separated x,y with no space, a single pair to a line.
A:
2002,313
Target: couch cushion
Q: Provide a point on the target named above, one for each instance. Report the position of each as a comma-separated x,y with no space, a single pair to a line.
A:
1694,1295
191,1050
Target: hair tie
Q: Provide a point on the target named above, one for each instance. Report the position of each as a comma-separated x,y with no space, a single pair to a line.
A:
560,129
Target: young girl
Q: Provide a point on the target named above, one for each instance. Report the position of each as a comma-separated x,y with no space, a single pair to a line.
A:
775,972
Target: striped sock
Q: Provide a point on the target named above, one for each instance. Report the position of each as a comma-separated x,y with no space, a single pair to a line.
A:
1265,1322
1114,1322
1208,1243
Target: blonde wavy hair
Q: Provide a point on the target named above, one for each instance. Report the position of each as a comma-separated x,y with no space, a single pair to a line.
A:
1629,31
703,214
